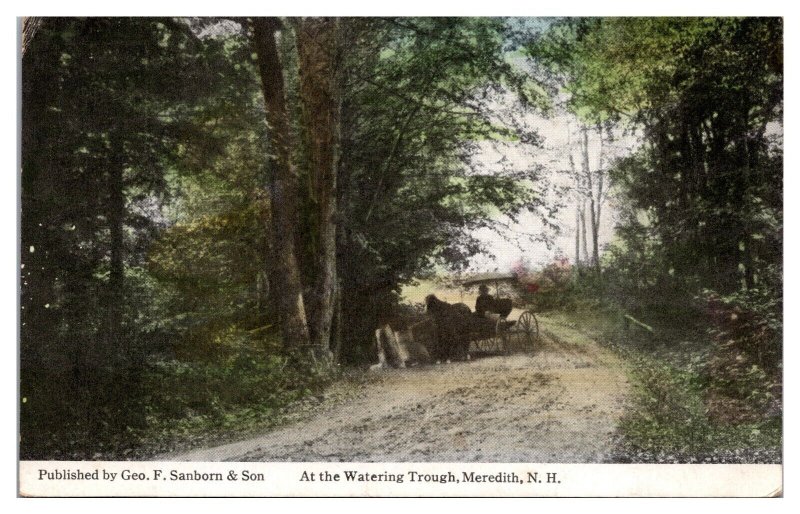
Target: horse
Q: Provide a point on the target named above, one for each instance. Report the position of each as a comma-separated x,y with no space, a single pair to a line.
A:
452,328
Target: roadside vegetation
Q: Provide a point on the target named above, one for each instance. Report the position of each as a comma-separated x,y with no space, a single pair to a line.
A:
193,403
696,398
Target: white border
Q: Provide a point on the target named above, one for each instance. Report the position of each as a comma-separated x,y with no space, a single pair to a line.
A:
8,224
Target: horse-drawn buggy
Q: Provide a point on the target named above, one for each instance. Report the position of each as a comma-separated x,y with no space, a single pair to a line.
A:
492,331
453,332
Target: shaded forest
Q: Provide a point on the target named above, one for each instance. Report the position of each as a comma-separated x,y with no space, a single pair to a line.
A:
217,213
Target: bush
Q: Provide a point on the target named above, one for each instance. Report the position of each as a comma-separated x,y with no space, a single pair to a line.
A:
555,286
745,368
670,421
247,385
251,377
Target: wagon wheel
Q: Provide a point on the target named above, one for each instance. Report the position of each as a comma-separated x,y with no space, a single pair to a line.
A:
528,327
501,336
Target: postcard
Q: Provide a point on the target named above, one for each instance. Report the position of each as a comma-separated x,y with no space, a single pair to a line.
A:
401,256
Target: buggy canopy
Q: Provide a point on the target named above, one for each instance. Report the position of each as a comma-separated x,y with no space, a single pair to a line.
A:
489,278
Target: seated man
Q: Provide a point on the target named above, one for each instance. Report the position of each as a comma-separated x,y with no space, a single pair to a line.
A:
485,304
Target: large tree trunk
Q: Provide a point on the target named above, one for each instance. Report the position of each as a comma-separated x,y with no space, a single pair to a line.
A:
337,336
30,26
283,197
320,98
116,220
39,324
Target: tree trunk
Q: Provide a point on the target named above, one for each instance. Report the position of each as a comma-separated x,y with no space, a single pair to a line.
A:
577,236
747,262
583,230
116,278
590,187
30,25
578,198
599,200
600,179
283,198
337,344
320,98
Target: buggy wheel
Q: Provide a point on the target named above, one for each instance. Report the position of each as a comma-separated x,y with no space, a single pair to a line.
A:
528,328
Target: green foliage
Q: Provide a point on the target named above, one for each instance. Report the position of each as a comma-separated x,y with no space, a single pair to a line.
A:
745,367
213,265
247,379
699,239
703,203
105,104
707,381
670,421
418,101
197,401
672,414
253,386
412,124
145,212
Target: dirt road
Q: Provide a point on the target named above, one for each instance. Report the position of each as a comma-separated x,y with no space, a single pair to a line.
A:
559,404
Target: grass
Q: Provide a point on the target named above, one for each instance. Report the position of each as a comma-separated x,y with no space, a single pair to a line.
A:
668,419
211,403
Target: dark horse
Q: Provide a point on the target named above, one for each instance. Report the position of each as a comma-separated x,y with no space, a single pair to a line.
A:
452,328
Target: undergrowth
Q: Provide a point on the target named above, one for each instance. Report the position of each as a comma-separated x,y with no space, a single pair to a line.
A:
188,403
671,416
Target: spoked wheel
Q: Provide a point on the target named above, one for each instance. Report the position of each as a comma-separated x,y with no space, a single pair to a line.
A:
528,327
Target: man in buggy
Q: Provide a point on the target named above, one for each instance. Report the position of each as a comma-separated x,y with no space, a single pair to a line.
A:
487,306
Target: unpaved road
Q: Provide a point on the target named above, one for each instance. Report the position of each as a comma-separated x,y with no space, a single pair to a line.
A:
561,403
